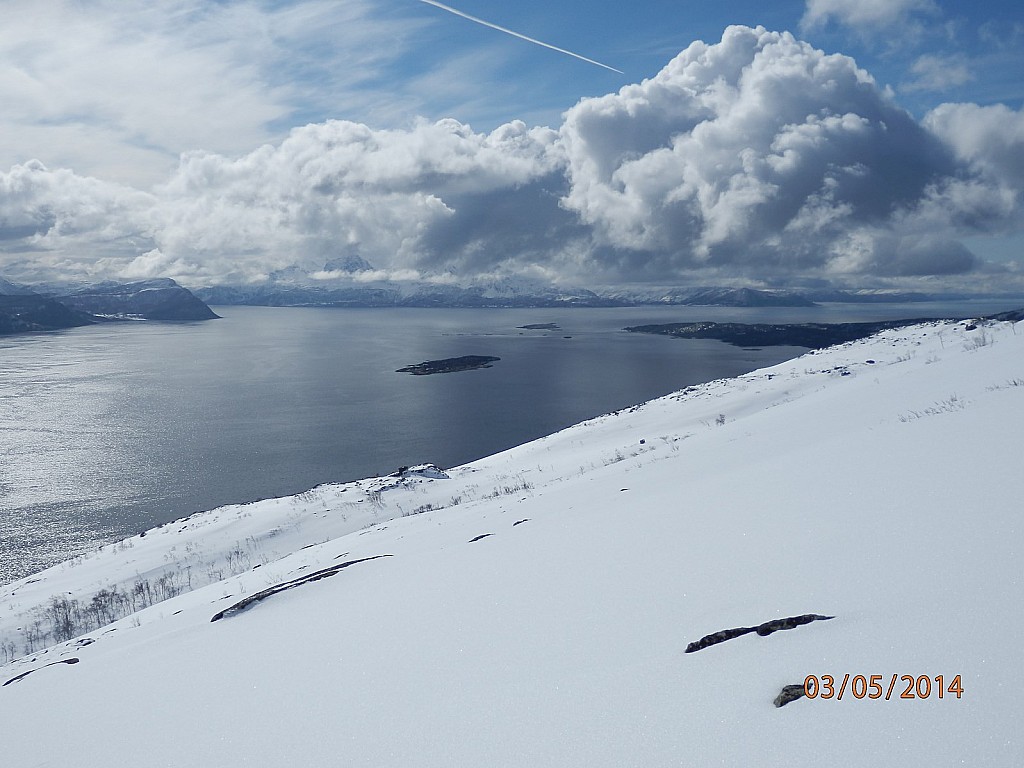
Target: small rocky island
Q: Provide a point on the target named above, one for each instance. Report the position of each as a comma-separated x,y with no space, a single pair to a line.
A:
540,327
450,365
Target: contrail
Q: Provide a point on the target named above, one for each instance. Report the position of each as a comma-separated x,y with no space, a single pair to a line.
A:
444,7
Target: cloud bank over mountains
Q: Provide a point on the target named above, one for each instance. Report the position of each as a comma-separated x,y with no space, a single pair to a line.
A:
758,157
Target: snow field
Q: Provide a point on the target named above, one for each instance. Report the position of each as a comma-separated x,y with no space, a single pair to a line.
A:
885,493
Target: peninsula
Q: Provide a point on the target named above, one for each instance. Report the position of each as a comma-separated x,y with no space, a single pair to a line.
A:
810,335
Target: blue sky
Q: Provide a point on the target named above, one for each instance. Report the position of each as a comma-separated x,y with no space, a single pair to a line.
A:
220,141
981,45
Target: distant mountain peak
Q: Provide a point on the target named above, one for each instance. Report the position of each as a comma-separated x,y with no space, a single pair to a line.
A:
350,263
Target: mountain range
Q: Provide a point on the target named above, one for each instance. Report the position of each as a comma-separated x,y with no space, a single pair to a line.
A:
355,284
352,281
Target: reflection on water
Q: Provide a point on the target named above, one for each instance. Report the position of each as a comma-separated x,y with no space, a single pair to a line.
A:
107,430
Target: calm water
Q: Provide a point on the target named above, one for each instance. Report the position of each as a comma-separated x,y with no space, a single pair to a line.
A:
106,431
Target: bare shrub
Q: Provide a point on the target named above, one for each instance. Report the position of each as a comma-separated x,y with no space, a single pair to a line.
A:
978,340
949,405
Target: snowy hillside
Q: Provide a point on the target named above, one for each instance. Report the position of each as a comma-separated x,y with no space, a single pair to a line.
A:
534,608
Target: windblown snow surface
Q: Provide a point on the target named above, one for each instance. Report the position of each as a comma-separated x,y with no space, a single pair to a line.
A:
538,613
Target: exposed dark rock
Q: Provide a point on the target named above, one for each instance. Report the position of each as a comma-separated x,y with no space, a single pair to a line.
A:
256,597
520,522
23,675
450,365
539,327
789,693
718,637
763,630
426,471
789,623
481,536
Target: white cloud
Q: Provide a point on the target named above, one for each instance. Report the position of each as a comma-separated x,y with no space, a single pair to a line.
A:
60,221
165,76
990,139
862,13
757,157
336,188
760,153
434,196
939,73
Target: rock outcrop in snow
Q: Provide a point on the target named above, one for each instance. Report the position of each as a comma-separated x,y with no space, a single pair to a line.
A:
763,630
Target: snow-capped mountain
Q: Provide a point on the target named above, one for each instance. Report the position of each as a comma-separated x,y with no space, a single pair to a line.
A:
22,310
158,299
353,281
8,288
536,608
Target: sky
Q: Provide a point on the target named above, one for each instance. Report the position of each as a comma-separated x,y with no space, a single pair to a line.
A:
854,143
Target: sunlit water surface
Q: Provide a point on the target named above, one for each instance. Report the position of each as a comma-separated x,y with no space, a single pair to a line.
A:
109,430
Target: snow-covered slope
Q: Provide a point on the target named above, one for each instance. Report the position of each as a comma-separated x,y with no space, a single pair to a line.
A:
534,608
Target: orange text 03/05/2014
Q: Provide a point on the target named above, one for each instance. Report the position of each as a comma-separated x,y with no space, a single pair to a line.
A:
886,687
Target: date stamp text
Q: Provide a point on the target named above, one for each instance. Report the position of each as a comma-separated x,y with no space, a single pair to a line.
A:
881,687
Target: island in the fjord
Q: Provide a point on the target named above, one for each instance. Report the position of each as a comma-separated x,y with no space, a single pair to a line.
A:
540,327
811,335
450,365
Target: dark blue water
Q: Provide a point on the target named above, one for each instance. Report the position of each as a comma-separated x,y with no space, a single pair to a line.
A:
108,430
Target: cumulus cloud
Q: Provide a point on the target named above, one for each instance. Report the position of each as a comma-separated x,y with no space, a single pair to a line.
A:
57,221
989,139
436,195
760,153
756,157
340,187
